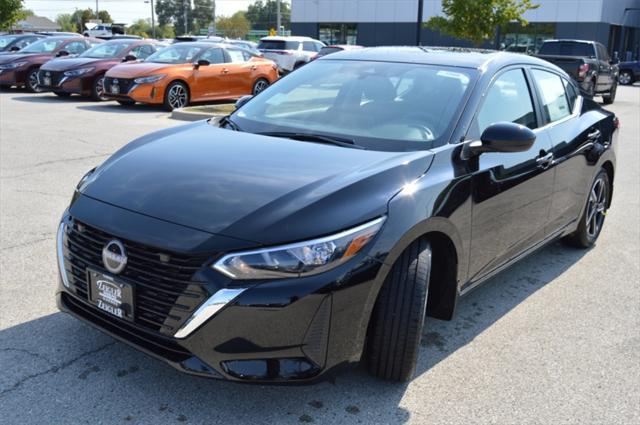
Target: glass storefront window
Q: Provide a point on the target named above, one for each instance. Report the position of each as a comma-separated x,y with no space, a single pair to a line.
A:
515,38
338,33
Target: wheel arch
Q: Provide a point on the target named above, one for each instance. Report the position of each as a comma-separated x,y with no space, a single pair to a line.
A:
608,167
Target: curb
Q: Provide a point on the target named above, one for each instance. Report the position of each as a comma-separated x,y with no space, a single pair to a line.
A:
186,115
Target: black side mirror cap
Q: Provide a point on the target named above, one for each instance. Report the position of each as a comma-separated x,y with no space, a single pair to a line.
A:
504,137
62,53
244,99
202,62
14,48
129,58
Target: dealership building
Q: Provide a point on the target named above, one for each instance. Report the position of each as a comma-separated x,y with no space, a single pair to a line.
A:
614,23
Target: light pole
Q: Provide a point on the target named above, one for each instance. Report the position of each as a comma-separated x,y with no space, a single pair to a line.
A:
278,18
153,19
213,17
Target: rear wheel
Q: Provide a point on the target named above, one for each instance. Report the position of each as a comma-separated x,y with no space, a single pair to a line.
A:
32,82
97,91
126,102
398,316
611,97
594,214
62,94
259,86
176,96
625,78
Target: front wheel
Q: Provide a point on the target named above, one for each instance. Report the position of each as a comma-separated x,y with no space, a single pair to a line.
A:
32,82
611,97
259,86
594,214
625,78
395,330
176,96
97,90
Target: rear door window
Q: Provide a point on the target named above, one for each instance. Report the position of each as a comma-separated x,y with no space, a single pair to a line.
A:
555,104
278,45
508,100
236,56
214,56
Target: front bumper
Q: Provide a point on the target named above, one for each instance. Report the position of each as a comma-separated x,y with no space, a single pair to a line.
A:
73,85
289,330
10,77
150,93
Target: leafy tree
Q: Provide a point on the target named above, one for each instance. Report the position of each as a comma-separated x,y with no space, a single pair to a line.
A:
26,12
10,13
141,27
236,26
173,11
66,22
477,20
81,17
263,15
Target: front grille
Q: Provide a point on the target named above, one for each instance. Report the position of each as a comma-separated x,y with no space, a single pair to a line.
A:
55,76
125,85
165,290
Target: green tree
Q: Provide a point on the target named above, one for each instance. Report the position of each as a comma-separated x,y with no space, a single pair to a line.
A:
477,20
141,27
172,12
104,16
82,16
236,26
263,15
66,22
202,14
10,13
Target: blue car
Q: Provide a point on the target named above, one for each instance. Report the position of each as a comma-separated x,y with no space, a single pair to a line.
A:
629,72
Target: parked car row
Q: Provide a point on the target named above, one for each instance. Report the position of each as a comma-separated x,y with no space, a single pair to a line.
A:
130,70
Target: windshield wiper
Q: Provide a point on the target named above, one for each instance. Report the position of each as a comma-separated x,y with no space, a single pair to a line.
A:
318,138
227,121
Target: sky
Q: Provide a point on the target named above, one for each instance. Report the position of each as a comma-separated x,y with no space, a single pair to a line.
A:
122,11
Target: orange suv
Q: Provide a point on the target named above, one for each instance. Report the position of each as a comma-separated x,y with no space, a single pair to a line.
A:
190,72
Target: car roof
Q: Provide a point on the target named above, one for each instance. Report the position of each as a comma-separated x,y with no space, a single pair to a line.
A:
445,56
285,38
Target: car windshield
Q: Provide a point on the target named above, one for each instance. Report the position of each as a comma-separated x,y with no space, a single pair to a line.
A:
106,50
278,45
45,45
380,105
178,53
567,48
6,39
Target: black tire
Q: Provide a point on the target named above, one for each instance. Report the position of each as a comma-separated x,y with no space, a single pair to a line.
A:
97,89
126,102
595,211
62,94
5,87
31,82
393,341
611,97
626,78
176,96
259,86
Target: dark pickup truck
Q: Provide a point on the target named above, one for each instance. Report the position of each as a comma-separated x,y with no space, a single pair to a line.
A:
587,62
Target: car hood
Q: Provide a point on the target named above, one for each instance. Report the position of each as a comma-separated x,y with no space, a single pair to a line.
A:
65,64
257,188
137,69
20,56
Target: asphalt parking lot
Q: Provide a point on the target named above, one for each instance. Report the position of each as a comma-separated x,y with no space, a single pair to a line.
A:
555,339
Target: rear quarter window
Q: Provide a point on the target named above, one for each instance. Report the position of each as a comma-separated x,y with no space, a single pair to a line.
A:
554,99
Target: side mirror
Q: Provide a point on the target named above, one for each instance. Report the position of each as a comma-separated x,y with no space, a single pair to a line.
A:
14,48
62,53
129,58
504,137
244,99
202,62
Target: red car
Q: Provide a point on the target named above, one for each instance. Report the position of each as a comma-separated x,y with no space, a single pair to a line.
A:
84,75
21,68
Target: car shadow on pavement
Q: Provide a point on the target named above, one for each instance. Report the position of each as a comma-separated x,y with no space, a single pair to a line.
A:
116,108
57,364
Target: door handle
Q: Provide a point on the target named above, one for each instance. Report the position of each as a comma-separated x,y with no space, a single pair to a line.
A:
594,136
254,67
225,71
545,161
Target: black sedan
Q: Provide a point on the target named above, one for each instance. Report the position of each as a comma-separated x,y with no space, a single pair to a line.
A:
319,223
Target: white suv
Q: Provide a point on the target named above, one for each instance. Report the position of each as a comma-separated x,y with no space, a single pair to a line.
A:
289,53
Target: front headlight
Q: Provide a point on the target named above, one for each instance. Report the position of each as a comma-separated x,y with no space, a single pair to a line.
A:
151,79
13,65
299,259
77,72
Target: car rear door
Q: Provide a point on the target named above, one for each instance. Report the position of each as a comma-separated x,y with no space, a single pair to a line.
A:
241,73
573,136
511,192
211,80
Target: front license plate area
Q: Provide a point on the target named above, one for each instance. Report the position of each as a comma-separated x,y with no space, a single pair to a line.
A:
115,89
111,295
47,81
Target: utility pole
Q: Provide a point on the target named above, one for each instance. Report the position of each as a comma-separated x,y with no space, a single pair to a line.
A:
97,10
186,26
153,20
278,18
213,18
419,25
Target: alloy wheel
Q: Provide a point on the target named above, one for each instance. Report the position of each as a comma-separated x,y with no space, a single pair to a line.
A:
624,78
260,86
178,96
597,207
100,89
33,81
